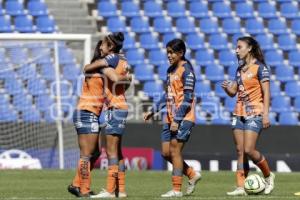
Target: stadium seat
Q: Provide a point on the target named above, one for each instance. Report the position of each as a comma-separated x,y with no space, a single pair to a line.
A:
149,41
288,118
106,9
229,103
2,11
231,25
166,37
281,104
36,86
139,24
218,41
5,25
45,24
232,71
195,41
44,102
152,9
265,41
295,26
24,24
162,72
144,72
210,104
221,118
8,114
162,25
275,89
37,8
297,104
22,102
294,58
214,72
157,57
130,9
227,57
244,10
175,9
14,8
135,56
17,54
284,73
198,73
272,118
200,116
254,25
204,57
198,9
71,72
31,115
221,9
292,88
185,25
153,89
287,42
27,71
267,10
208,25
289,10
116,24
48,71
202,88
219,90
274,57
129,41
4,101
65,56
277,26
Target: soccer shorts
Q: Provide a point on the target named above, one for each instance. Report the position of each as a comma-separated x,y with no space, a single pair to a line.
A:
85,122
183,133
252,123
115,121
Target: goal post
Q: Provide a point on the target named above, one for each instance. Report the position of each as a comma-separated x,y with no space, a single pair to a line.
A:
19,66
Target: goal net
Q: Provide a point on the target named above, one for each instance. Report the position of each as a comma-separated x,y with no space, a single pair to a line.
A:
40,78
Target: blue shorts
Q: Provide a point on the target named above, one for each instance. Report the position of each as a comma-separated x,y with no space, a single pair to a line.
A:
115,120
252,123
85,122
183,133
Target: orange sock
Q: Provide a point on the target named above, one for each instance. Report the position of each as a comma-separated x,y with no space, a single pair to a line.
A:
240,178
76,180
112,178
121,181
264,167
189,172
85,175
177,182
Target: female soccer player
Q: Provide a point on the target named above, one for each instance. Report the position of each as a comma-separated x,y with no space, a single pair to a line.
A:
116,114
85,120
179,100
251,115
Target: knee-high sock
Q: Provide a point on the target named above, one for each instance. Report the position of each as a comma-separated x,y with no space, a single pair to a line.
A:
188,171
264,167
112,175
177,179
241,173
121,177
84,174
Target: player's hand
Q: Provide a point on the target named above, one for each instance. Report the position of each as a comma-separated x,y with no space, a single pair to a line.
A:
266,121
174,127
225,84
148,116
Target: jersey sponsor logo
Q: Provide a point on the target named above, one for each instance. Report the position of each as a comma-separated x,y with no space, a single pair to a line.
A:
253,124
250,75
95,127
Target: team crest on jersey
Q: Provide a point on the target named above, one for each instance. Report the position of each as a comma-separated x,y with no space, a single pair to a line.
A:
250,75
241,88
174,78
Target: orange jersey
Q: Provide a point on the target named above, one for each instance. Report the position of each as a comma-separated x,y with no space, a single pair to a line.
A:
180,79
115,92
92,95
250,96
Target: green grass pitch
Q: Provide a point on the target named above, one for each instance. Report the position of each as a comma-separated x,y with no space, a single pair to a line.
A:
52,184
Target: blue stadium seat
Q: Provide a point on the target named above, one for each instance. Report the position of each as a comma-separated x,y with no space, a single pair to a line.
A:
162,72
236,36
275,89
265,41
294,58
274,57
232,71
292,88
2,55
152,9
24,24
107,9
289,10
221,9
22,102
295,26
277,26
284,73
267,10
162,25
200,116
195,41
208,25
210,104
135,56
202,88
254,25
31,115
2,11
166,37
14,8
7,73
297,104
175,9
204,57
272,118
116,24
281,104
288,118
17,54
44,102
222,118
37,8
198,9
36,86
139,24
244,10
129,41
153,89
144,72
5,25
198,73
214,72
231,25
219,90
130,9
71,72
227,57
4,101
157,57
8,114
45,24
185,25
230,103
218,41
287,42
27,71
65,56
48,71
149,41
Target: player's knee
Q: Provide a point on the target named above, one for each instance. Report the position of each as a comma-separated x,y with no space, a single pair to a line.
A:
239,150
249,151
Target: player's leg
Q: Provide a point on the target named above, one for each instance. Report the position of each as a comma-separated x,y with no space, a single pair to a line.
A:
121,173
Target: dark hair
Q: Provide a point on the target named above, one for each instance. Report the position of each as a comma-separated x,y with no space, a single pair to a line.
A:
178,45
97,54
256,51
116,39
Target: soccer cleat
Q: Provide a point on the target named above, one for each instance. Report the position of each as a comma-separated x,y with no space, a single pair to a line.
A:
269,183
239,191
103,194
172,193
74,190
192,183
122,195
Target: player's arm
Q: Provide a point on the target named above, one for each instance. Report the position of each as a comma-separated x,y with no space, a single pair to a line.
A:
264,77
230,87
160,104
114,76
96,65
